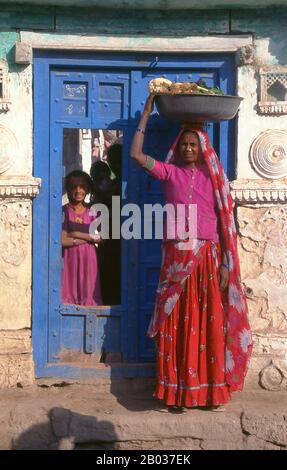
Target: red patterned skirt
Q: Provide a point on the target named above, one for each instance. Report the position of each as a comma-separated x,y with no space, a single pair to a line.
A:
190,342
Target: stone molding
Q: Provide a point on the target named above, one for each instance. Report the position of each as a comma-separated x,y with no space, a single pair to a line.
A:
251,192
23,187
216,43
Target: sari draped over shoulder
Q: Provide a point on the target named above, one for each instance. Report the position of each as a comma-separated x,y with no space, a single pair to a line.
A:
180,261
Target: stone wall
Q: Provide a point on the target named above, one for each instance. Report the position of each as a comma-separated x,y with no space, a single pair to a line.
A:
16,363
261,201
263,257
17,188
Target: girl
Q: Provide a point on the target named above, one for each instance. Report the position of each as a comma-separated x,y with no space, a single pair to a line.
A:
80,277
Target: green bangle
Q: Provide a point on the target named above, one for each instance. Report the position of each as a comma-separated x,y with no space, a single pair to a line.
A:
149,164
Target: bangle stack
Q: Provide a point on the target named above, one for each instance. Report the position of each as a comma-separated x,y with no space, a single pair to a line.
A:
140,130
225,265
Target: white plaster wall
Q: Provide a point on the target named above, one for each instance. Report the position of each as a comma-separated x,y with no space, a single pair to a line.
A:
19,120
250,123
15,214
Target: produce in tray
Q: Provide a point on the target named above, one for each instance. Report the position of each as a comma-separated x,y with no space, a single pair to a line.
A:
162,85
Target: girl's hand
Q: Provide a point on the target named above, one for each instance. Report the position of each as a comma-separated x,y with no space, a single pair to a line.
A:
87,237
149,104
96,238
223,277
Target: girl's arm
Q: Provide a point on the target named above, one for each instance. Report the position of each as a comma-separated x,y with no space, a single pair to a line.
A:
68,242
136,150
85,236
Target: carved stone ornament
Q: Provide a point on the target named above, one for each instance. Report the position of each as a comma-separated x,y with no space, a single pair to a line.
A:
272,378
258,192
19,187
268,154
5,102
245,55
8,149
23,53
273,90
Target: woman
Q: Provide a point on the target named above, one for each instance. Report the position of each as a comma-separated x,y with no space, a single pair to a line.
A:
200,320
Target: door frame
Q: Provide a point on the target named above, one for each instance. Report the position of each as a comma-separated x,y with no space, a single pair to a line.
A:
44,61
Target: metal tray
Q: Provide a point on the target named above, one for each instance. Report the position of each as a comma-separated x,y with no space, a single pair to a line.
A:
197,108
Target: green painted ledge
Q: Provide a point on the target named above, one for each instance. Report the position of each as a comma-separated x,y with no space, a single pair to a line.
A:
7,43
26,17
155,4
152,23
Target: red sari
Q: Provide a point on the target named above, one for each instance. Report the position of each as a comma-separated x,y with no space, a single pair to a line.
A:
190,342
202,334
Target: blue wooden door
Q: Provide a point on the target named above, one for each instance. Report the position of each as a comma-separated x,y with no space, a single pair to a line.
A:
105,94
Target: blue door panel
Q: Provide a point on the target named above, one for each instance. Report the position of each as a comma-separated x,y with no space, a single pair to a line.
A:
110,99
106,92
70,104
73,333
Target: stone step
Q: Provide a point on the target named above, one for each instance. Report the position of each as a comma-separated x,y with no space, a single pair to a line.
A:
78,416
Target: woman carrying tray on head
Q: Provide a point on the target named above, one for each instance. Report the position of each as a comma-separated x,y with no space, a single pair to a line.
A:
200,319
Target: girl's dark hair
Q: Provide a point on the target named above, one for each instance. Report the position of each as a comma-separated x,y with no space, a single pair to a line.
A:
77,174
98,168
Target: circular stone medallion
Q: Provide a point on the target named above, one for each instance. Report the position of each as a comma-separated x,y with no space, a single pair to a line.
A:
268,154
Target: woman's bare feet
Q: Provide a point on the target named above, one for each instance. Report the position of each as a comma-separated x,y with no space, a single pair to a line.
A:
171,409
176,409
217,408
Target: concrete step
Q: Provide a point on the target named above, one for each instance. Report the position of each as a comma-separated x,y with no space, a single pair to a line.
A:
84,416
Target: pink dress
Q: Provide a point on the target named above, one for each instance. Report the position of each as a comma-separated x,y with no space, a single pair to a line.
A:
80,276
186,186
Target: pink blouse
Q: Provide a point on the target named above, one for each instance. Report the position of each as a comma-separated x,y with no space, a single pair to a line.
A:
189,186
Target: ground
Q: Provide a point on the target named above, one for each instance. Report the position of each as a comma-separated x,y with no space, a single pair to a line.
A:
53,414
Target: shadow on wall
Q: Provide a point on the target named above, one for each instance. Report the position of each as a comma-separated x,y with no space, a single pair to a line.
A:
67,430
278,47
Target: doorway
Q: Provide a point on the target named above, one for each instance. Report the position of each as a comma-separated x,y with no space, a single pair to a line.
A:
84,94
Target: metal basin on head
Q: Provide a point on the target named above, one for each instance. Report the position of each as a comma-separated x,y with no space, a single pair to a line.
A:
197,108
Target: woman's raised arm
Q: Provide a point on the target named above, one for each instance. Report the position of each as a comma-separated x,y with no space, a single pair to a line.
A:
136,150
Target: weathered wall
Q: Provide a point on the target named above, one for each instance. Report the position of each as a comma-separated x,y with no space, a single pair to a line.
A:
263,255
262,222
262,209
16,189
270,49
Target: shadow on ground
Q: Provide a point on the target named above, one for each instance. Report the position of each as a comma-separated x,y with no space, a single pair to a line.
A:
67,430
